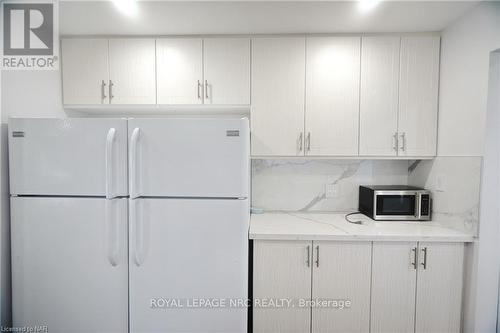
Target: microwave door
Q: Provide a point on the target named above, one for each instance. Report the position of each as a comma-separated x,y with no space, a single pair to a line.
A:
395,206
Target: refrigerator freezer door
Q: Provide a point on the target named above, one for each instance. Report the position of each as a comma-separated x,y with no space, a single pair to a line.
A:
190,157
78,157
183,252
70,264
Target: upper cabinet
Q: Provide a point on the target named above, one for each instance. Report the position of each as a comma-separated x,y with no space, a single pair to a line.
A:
85,71
169,71
226,71
418,95
278,83
399,96
115,71
370,96
213,71
179,64
332,95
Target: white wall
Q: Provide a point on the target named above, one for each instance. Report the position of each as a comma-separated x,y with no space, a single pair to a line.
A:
31,94
465,67
465,48
487,251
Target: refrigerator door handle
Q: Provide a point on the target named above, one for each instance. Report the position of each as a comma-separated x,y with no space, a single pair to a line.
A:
112,231
110,139
134,177
136,233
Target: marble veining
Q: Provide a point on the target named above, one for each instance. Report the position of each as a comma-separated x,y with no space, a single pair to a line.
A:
455,185
301,185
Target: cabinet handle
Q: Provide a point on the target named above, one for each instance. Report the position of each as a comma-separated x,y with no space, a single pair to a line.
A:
199,86
206,89
317,256
103,90
414,262
111,90
424,261
308,260
403,141
300,141
308,141
395,141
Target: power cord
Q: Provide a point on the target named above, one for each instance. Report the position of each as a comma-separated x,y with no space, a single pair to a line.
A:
353,222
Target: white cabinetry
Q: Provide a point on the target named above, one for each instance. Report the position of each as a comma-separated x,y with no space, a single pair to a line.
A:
439,287
341,271
132,71
399,92
102,71
85,72
203,71
332,95
418,95
391,286
282,270
378,124
338,271
227,71
416,287
278,83
179,67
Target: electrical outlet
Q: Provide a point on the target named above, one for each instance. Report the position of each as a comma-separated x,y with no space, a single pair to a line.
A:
331,190
440,182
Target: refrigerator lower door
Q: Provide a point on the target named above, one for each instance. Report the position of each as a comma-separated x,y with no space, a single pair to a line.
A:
69,264
70,156
189,157
184,253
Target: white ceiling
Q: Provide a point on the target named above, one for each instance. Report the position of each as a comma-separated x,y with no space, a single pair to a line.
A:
254,17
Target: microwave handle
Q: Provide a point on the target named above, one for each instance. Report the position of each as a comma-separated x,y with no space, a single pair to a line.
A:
418,210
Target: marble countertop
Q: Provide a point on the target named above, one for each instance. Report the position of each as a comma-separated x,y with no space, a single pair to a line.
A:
333,226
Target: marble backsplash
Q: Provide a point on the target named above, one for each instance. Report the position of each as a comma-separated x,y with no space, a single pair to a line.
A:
455,184
332,185
319,185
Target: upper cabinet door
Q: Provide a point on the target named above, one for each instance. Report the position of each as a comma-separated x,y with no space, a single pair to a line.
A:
418,95
227,70
379,96
132,71
179,70
278,83
85,71
332,95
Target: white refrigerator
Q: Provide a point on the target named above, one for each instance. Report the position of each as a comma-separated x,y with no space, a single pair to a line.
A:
97,251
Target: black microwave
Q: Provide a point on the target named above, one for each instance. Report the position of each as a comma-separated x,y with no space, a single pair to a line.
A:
395,202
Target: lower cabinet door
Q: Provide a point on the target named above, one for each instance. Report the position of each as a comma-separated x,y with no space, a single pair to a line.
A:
394,277
341,276
281,274
439,287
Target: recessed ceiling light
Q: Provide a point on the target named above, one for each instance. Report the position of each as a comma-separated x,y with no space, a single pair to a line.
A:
127,7
367,5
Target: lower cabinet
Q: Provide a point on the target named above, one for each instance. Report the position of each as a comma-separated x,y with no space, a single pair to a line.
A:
416,287
337,286
327,284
